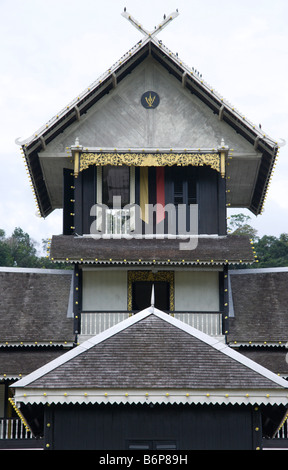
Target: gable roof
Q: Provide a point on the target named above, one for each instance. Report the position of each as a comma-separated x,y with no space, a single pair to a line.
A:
263,145
152,357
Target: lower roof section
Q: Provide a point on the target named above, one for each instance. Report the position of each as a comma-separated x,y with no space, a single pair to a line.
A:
152,358
258,307
202,250
16,363
35,307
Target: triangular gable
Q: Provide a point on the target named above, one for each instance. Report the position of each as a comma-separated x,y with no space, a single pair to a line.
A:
260,143
153,355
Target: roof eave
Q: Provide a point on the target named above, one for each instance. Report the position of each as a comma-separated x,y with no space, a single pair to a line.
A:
224,396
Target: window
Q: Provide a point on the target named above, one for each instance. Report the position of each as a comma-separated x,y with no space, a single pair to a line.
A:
115,182
184,185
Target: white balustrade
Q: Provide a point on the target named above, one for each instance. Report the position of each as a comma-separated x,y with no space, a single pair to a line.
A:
117,221
11,428
93,323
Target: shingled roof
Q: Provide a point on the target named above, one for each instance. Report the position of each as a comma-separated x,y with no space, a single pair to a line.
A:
259,306
36,322
123,365
209,250
258,322
34,306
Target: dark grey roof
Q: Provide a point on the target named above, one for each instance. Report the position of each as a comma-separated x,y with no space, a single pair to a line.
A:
260,304
209,250
274,359
17,362
34,306
152,350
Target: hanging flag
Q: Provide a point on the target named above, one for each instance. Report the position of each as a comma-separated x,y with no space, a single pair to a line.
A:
160,194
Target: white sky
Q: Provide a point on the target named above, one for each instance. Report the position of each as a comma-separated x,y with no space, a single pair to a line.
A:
51,51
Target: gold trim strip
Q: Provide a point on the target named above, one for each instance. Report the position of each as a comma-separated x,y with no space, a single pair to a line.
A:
151,159
18,412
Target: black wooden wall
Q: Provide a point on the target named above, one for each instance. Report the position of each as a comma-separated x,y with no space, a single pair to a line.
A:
210,195
109,427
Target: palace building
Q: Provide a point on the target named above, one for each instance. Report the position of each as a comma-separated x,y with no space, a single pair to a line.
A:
152,339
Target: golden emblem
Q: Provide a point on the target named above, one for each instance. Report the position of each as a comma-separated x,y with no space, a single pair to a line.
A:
150,100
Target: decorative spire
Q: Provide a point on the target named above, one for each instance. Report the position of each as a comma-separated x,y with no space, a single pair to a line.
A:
152,297
166,20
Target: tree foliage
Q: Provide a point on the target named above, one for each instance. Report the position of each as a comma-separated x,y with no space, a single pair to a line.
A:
19,250
271,251
239,226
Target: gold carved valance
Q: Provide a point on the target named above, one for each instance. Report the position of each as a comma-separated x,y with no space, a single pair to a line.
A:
215,160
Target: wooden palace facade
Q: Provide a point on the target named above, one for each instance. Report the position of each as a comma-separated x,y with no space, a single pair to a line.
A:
144,164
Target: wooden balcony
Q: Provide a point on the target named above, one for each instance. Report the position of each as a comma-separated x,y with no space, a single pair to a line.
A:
15,436
93,323
13,428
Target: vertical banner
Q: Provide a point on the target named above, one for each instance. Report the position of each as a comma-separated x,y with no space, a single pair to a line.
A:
160,194
144,201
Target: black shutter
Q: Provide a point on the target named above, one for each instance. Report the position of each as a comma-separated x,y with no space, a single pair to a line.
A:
68,201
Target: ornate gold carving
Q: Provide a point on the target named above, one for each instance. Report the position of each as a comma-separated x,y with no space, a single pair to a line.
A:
150,159
166,276
150,100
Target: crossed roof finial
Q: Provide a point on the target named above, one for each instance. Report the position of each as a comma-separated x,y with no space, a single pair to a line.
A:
166,20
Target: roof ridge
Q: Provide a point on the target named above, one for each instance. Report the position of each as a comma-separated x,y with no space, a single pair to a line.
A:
124,58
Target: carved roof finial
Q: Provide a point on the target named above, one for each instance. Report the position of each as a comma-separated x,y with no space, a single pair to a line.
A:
166,20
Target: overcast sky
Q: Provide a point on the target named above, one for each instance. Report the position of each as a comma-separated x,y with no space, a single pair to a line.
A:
52,51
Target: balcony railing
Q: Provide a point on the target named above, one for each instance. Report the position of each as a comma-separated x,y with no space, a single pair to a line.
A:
93,323
117,221
282,433
13,428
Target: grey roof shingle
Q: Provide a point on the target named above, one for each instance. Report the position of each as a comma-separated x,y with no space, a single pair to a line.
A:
274,359
16,362
260,303
209,250
34,305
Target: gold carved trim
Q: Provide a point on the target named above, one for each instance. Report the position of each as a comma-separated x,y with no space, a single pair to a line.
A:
166,276
151,159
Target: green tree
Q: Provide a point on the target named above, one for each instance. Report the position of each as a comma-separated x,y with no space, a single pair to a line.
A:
5,253
272,251
22,249
239,225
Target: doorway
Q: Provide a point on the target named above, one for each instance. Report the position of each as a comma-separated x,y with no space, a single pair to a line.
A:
140,288
142,291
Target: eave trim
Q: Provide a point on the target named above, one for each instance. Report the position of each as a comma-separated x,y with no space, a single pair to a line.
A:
151,396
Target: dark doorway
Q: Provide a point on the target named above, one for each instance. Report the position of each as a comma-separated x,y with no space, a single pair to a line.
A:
141,295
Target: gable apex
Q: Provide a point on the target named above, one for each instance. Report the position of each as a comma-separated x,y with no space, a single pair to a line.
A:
261,144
